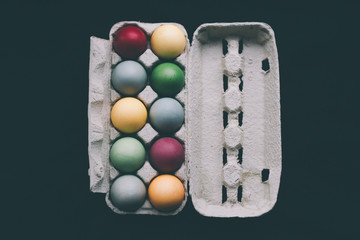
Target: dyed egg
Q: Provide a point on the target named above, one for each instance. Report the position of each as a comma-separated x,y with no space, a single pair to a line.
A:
129,78
166,192
166,115
167,79
128,193
127,155
129,42
128,115
167,155
168,41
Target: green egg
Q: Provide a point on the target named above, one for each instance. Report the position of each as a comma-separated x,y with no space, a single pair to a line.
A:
127,155
167,79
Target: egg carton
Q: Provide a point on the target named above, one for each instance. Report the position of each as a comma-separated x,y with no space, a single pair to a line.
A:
231,133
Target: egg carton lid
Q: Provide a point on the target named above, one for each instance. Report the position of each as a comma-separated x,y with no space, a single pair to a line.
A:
232,69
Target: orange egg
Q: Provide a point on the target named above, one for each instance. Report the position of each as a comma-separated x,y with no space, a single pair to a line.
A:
166,192
128,115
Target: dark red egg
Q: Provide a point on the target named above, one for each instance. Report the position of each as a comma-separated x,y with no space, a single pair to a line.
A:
167,155
129,42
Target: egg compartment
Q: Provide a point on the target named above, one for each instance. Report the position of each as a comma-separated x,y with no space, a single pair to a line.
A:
147,173
146,135
232,119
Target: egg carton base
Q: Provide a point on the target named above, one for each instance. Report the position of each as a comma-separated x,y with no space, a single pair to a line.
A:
102,60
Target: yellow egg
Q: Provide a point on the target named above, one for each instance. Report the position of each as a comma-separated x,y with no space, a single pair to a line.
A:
166,192
128,115
168,41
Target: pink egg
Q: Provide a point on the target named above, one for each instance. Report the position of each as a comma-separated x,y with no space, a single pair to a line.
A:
167,155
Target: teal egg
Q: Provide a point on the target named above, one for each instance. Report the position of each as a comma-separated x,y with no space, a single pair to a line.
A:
166,115
129,78
127,155
128,193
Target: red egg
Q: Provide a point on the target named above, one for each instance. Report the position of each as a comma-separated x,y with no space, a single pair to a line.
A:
167,155
129,42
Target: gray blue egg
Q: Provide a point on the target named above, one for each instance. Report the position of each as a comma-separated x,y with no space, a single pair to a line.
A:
166,115
128,193
129,78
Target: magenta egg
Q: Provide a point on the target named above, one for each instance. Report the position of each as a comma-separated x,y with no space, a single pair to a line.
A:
167,155
129,42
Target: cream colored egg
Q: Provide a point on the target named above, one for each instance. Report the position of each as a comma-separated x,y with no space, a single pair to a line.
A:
168,41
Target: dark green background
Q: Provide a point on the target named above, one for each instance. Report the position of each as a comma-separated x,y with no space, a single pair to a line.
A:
44,92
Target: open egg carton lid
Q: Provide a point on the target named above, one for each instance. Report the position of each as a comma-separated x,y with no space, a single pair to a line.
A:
232,132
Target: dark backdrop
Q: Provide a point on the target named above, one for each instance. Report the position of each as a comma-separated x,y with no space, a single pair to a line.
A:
44,93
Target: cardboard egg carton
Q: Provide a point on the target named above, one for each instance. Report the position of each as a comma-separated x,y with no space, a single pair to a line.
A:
231,133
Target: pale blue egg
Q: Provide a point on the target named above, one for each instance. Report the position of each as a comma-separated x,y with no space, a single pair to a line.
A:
129,78
128,193
166,115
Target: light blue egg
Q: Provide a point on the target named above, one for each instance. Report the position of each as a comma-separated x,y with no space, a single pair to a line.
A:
129,78
128,193
166,115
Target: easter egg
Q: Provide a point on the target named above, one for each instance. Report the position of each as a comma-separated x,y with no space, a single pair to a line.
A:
168,41
166,192
127,155
167,79
166,115
128,193
128,115
167,155
129,78
129,42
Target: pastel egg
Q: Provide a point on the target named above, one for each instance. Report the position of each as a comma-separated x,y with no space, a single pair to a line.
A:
127,155
128,193
166,192
166,115
129,78
167,79
168,41
129,42
167,155
128,115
